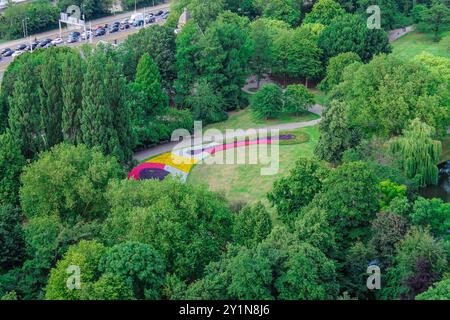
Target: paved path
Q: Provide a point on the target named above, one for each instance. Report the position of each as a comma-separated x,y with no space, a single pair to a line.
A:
167,147
398,33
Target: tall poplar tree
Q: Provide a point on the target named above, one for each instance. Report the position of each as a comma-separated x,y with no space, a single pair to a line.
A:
51,99
72,69
96,118
188,49
121,114
24,118
148,83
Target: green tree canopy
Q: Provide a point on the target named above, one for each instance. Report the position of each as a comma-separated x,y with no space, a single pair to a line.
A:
139,265
11,164
324,12
349,33
417,247
349,196
11,237
434,213
187,224
226,51
439,291
335,69
288,11
418,153
292,193
384,95
297,99
86,255
206,104
252,224
268,101
77,178
337,134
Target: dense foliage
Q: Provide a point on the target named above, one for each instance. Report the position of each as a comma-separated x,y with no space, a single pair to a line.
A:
71,119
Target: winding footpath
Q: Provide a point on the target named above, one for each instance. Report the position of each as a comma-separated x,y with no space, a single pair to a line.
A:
398,33
170,146
317,109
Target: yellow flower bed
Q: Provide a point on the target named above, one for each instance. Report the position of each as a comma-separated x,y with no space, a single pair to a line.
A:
182,163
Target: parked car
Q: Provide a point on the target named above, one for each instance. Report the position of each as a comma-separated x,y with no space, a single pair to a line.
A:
124,26
165,15
86,35
8,53
150,19
74,34
17,53
72,39
43,43
138,23
116,24
34,44
114,29
57,41
4,51
21,47
159,13
100,32
50,44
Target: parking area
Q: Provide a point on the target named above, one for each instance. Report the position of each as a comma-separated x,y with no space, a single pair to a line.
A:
113,32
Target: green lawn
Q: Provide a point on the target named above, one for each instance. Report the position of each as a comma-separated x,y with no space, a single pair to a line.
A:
244,182
413,44
245,119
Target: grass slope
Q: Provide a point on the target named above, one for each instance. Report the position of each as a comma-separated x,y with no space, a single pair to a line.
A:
244,182
245,119
413,44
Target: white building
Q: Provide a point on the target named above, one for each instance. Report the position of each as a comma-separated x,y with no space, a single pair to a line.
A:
184,18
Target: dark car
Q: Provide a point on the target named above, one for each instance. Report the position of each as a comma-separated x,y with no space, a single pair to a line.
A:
150,20
100,32
44,43
72,39
21,47
116,24
34,44
74,34
124,26
159,13
4,51
8,53
114,29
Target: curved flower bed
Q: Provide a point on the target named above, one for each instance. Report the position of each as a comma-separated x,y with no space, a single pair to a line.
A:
179,163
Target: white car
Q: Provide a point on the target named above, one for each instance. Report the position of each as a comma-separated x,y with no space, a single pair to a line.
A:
57,41
86,35
17,53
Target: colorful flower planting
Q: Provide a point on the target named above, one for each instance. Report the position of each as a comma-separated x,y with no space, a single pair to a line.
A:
179,163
